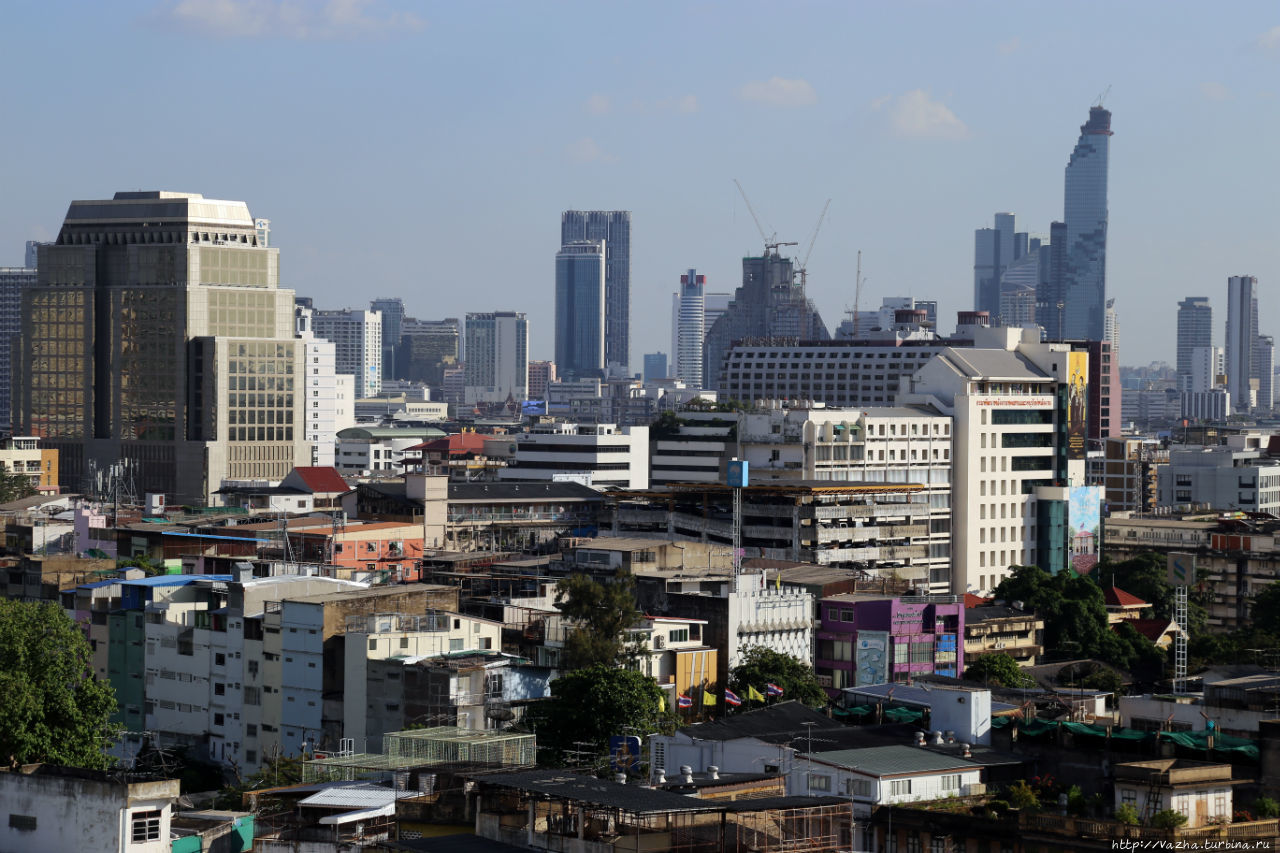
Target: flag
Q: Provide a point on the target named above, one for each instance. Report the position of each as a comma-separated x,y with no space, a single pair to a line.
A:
753,694
773,689
684,701
731,698
708,698
662,702
777,580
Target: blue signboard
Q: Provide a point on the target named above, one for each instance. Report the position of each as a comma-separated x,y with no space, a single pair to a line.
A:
737,470
624,752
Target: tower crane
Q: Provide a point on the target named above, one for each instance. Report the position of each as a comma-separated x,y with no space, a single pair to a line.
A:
857,293
769,241
804,264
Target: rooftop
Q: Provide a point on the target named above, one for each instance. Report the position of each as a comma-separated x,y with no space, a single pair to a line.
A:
894,760
322,479
1113,596
777,723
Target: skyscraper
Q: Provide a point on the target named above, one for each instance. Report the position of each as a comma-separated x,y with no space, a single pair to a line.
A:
580,309
993,251
1264,366
655,366
614,228
1242,331
427,348
329,395
158,348
1051,305
770,303
392,310
357,335
497,366
1084,283
1195,330
691,329
14,281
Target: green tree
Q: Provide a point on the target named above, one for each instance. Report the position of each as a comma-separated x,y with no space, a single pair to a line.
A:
54,708
1022,796
589,705
14,486
1168,819
1264,610
998,670
1127,813
1266,808
601,613
761,666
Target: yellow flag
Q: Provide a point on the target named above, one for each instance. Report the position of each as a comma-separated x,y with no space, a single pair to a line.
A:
777,580
662,702
752,693
708,698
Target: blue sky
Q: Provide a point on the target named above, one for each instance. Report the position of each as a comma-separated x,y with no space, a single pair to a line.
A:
425,150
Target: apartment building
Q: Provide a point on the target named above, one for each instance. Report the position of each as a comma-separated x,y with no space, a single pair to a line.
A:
598,455
24,456
868,639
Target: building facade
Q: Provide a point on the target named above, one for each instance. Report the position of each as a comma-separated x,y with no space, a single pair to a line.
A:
690,329
1085,216
598,455
497,366
613,229
1242,333
157,349
392,311
13,282
580,309
866,639
357,338
1195,331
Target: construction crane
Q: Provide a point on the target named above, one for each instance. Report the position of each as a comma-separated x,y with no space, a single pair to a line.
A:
804,264
770,241
1103,97
857,293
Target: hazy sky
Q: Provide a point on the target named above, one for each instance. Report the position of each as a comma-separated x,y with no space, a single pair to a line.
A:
425,150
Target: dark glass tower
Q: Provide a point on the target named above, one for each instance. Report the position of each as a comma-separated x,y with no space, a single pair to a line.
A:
1084,272
614,228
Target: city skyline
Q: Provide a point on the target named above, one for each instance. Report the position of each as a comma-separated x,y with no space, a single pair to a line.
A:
973,116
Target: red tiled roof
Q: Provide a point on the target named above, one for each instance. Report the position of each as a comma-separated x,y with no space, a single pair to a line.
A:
322,479
455,444
1153,629
1116,597
971,600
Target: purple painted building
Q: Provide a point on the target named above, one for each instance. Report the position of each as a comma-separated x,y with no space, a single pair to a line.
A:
868,639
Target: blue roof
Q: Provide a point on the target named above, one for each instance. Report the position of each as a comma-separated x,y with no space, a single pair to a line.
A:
175,580
97,584
211,536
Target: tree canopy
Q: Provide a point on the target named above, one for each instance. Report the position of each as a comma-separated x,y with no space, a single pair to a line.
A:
761,666
998,669
587,706
602,612
54,708
1075,620
14,486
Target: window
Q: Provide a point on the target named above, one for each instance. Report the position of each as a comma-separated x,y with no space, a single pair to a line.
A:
819,782
455,645
218,719
219,659
951,782
145,826
22,822
219,689
900,787
678,635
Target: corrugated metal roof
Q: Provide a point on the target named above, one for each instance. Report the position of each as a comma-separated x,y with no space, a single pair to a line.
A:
894,760
351,796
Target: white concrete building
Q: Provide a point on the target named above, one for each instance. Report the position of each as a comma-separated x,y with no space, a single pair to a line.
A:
599,455
329,395
884,775
778,617
65,808
1235,476
689,329
1007,427
357,337
380,451
897,445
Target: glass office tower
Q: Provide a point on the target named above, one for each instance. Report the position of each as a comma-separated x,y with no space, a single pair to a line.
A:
580,309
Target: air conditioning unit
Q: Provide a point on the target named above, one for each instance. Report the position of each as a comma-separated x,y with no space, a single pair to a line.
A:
659,642
1001,645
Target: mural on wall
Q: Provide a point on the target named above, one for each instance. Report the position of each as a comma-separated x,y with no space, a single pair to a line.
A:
1084,520
870,658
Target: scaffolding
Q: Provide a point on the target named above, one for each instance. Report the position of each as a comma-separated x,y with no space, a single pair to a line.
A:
451,745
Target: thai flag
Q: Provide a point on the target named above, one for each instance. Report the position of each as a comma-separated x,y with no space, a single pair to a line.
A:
683,701
773,689
731,698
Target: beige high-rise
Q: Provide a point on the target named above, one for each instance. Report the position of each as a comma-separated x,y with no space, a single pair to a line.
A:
157,350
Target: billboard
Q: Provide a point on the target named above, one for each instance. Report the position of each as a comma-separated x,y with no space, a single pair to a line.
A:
1084,519
870,658
1077,404
1182,569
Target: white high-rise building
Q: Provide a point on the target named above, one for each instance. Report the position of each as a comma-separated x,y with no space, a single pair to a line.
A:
1242,330
497,364
691,329
1264,367
1204,367
329,403
357,338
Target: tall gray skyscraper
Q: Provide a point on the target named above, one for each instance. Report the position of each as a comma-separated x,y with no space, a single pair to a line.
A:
497,366
614,228
1195,330
770,303
392,309
157,345
1264,367
1084,283
14,281
1242,333
691,329
580,309
993,251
